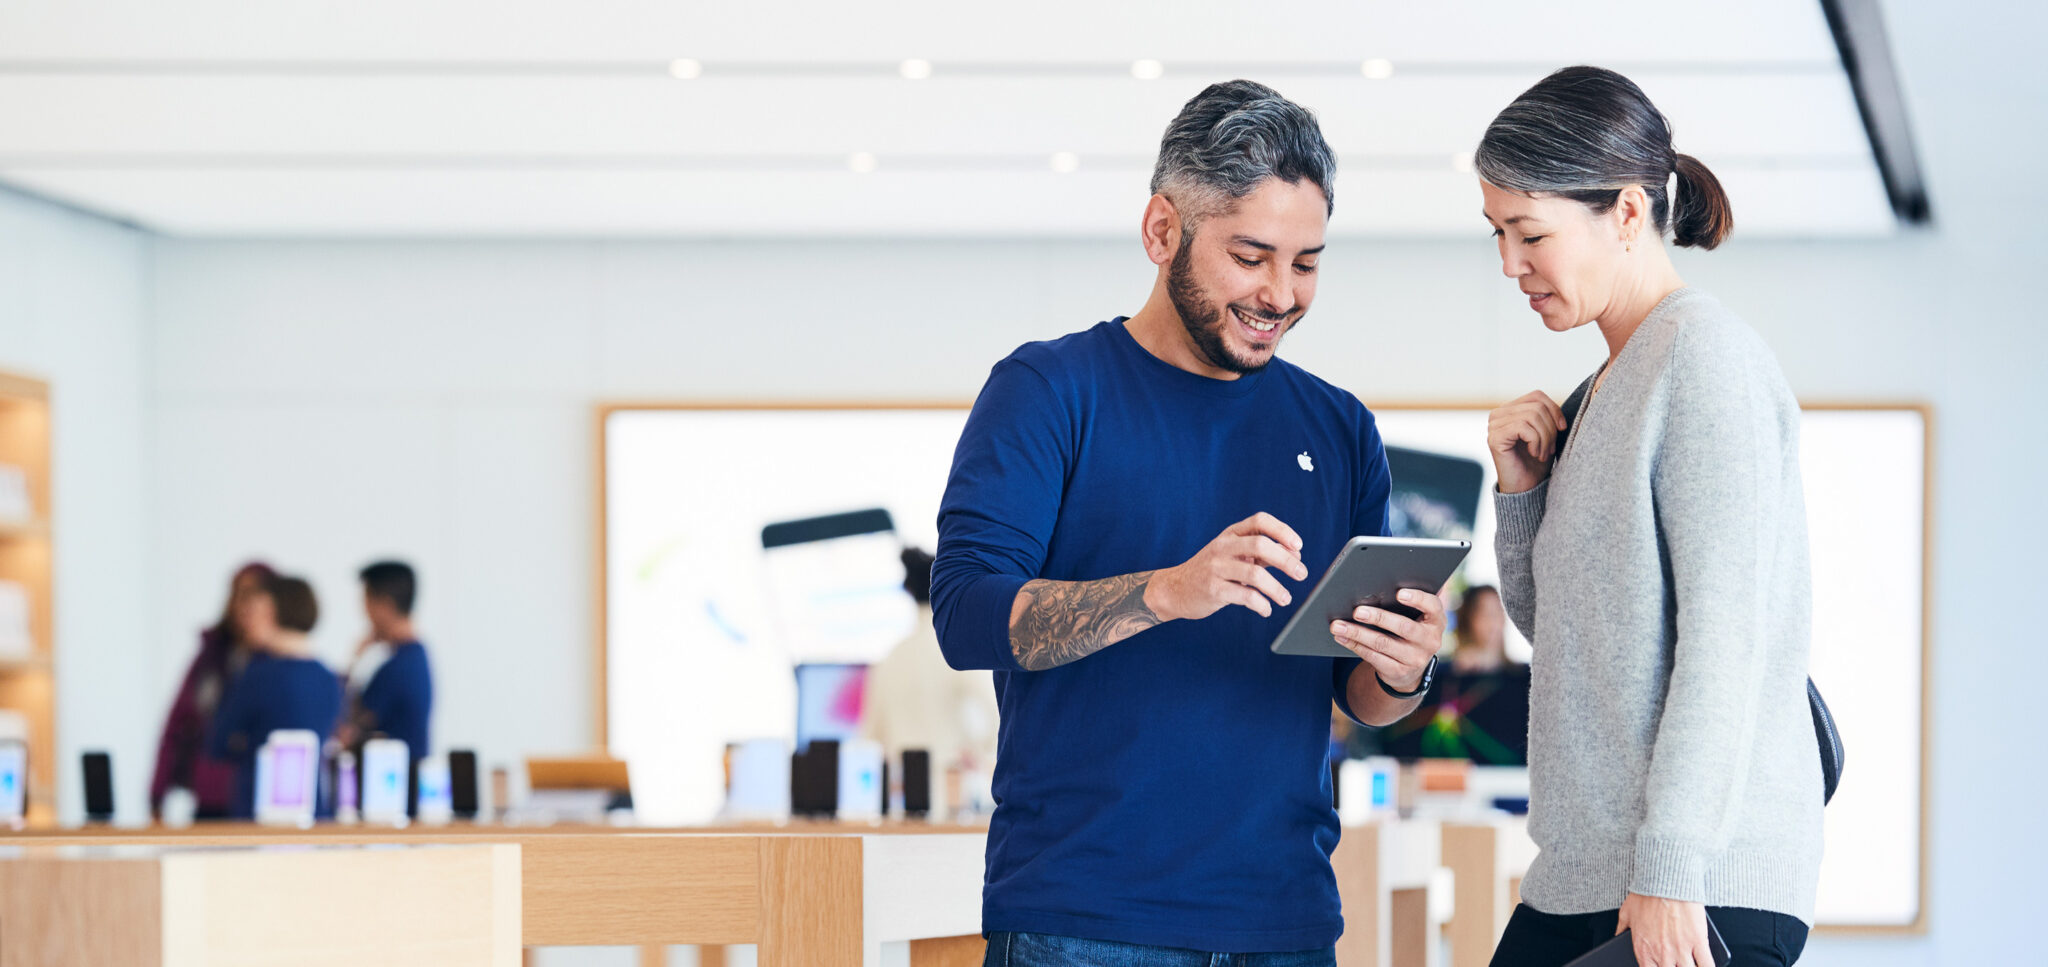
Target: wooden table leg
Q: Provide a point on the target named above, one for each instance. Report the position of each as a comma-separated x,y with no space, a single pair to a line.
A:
967,951
711,955
1409,934
811,902
653,955
1477,918
1471,851
1357,865
1486,860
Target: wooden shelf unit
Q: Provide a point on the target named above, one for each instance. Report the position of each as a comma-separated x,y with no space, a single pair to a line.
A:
28,684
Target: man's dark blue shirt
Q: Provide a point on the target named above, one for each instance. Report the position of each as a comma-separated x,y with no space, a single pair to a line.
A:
1173,788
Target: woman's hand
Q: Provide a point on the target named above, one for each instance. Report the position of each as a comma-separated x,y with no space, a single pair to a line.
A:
1667,933
1522,436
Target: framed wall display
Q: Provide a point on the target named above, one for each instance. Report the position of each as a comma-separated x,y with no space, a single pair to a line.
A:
690,656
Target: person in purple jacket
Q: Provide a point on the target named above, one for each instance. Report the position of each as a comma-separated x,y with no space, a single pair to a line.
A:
182,761
1132,512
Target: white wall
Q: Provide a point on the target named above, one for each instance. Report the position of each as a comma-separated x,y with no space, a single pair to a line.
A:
319,407
71,313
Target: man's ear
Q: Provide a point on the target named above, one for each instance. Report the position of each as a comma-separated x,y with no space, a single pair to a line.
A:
1161,230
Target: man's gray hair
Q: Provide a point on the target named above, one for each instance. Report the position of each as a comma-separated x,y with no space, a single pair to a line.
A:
1232,137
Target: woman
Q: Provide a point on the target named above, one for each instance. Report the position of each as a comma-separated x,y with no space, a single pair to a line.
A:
1662,530
181,760
1480,639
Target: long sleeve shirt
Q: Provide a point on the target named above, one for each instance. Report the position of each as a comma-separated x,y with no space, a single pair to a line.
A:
1171,789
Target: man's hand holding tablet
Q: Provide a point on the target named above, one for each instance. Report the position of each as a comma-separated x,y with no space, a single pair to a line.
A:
1397,647
1377,601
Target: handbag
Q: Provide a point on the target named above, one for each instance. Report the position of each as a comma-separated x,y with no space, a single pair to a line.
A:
1825,734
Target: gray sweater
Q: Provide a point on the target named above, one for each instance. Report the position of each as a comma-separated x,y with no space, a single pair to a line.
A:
1661,574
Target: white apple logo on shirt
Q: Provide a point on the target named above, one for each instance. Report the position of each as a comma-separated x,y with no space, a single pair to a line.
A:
1306,463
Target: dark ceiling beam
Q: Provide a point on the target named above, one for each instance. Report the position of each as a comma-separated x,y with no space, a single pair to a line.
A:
1858,26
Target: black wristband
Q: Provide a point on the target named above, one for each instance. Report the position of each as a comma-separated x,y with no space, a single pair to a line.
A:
1428,675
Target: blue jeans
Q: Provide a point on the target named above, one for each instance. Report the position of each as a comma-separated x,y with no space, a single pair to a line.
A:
1045,950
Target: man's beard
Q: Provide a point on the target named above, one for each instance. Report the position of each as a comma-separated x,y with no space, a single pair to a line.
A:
1204,322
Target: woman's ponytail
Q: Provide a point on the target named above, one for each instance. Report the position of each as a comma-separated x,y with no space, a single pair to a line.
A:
1701,217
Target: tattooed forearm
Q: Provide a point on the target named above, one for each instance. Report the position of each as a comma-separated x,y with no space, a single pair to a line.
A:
1056,622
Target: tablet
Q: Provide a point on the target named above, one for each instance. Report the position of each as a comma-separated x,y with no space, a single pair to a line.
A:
1621,951
287,778
1368,571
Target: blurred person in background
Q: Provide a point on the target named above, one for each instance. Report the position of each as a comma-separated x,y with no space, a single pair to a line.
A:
390,684
916,701
182,761
283,686
1478,707
1479,639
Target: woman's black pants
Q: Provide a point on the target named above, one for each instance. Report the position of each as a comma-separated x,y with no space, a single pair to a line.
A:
1756,938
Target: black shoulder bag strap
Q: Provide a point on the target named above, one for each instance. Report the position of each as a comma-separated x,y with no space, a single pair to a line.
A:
1824,731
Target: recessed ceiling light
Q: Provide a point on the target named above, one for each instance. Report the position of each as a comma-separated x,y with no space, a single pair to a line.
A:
1461,162
685,69
915,69
1378,68
1066,162
1147,70
861,162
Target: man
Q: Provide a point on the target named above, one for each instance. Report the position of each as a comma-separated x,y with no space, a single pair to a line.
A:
397,699
1131,513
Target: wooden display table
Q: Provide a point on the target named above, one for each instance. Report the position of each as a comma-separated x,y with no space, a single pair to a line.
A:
154,906
809,895
823,894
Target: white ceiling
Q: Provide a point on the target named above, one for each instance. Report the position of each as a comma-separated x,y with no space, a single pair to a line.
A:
551,118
